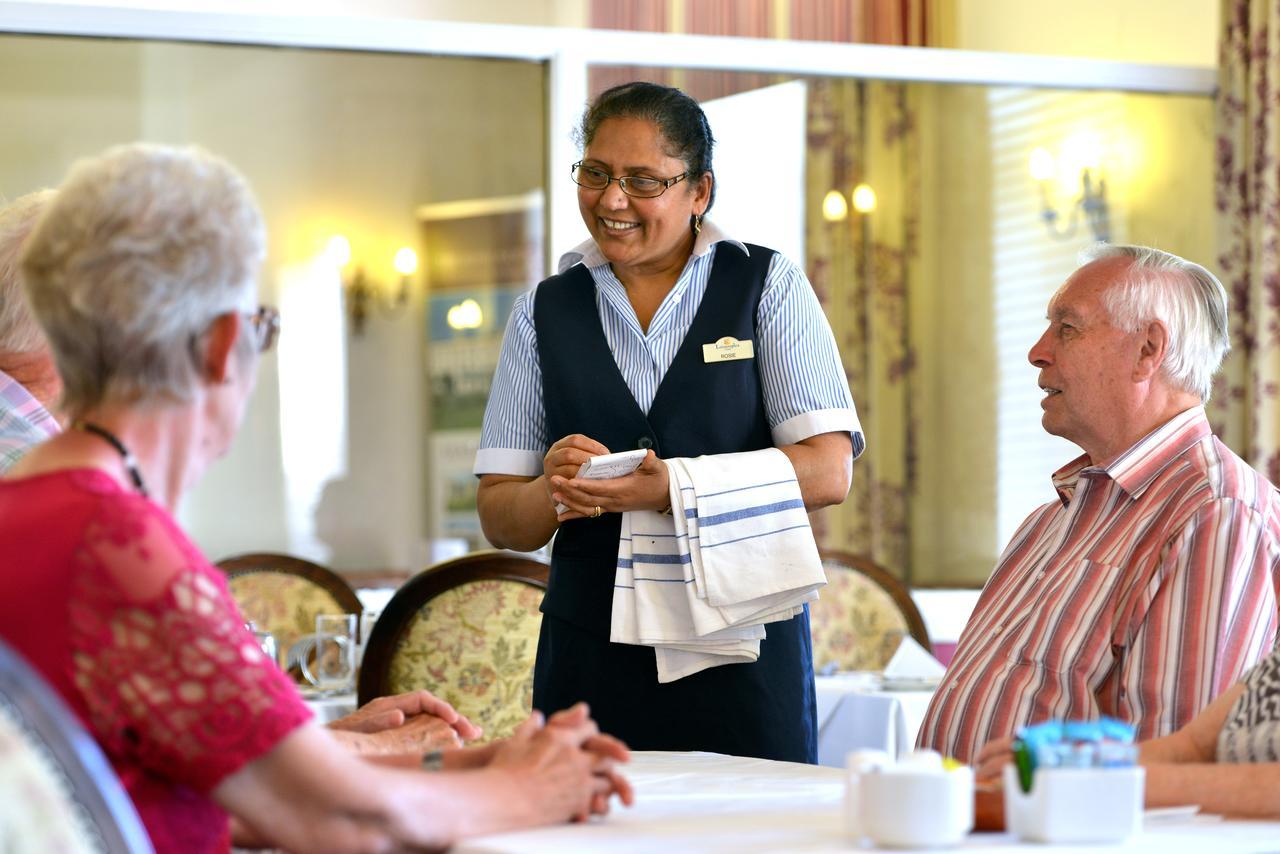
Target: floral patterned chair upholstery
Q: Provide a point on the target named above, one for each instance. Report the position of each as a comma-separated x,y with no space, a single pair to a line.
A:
283,595
861,615
467,631
57,790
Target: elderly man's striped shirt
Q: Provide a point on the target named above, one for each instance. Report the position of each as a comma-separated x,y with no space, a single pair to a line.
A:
1142,594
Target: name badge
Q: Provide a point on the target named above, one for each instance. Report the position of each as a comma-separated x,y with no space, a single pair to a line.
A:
728,349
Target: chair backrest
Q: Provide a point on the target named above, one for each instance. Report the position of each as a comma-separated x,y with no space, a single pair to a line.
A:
467,631
282,594
57,790
861,616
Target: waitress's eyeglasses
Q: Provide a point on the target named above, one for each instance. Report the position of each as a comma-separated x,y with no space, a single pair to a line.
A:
636,186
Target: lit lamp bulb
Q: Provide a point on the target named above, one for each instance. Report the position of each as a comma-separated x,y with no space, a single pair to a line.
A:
834,207
338,251
864,199
406,262
465,315
1042,166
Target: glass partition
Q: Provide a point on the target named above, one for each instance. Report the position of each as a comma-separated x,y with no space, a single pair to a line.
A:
934,220
340,459
937,220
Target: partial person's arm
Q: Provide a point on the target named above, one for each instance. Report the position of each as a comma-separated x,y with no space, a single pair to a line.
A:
413,722
512,498
1181,769
1211,616
308,794
515,512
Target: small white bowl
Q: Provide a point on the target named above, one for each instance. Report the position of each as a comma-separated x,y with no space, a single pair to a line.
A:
911,808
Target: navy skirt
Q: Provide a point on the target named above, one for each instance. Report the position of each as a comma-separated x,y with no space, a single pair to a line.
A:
764,709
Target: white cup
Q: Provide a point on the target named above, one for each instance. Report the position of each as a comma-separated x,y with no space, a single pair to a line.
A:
921,760
905,807
857,763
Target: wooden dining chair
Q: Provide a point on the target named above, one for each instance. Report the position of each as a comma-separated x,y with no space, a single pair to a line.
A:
861,615
282,594
58,792
467,631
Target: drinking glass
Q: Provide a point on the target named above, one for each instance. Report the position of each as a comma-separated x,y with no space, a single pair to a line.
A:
333,667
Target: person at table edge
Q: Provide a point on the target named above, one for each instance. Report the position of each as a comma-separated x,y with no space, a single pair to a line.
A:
1147,587
29,389
607,356
142,272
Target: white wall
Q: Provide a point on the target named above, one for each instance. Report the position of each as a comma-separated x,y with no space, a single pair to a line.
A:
1174,32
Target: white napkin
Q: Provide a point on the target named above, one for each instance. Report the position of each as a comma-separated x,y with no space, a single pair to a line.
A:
736,553
912,661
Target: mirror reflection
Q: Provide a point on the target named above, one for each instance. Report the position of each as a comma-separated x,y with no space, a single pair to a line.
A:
405,198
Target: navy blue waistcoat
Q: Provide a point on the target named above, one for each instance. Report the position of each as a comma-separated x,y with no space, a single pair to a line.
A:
699,408
763,709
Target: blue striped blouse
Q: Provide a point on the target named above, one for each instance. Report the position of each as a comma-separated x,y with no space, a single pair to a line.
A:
804,384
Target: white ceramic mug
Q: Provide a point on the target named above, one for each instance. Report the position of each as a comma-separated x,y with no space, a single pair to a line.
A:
911,808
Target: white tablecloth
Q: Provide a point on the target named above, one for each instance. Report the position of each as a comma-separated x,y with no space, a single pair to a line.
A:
837,714
701,802
330,707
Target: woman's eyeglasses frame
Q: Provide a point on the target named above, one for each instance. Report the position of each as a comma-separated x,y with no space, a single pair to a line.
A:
266,326
626,182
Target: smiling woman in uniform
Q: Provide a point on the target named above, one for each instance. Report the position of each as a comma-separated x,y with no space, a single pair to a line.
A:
607,356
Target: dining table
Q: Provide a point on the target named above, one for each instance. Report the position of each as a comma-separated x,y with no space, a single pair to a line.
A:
866,710
706,802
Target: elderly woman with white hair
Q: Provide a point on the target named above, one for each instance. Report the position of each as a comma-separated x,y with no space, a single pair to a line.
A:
142,273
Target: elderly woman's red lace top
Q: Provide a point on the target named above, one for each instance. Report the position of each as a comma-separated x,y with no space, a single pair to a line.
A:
103,594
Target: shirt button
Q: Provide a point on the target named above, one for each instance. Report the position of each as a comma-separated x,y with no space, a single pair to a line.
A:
999,629
644,443
1040,574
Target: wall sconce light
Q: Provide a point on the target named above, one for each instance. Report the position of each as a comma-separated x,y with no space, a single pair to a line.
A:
864,199
361,293
465,315
1078,166
836,209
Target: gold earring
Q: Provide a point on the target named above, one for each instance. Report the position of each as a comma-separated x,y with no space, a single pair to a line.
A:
697,224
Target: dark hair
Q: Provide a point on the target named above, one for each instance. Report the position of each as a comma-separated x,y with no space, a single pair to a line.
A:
678,118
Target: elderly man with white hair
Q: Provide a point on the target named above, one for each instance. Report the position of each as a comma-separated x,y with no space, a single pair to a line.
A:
1149,586
29,381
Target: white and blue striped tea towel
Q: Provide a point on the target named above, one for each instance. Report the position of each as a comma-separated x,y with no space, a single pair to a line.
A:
736,553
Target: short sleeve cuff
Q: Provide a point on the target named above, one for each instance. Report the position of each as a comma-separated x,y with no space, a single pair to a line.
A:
508,461
819,421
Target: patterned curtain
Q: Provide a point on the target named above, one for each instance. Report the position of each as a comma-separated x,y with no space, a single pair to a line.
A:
865,132
647,16
1246,403
897,22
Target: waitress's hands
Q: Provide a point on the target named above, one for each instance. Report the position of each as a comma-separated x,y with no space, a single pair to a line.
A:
643,489
565,457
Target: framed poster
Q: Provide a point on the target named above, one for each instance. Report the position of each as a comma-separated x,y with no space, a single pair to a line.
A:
480,255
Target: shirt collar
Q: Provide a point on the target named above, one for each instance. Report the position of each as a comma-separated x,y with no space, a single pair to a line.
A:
15,398
1136,468
590,256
